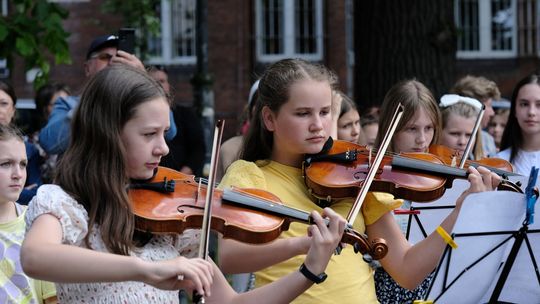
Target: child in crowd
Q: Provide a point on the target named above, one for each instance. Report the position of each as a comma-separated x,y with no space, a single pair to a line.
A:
8,100
348,121
293,119
82,231
370,128
459,116
485,91
497,124
520,143
15,285
230,149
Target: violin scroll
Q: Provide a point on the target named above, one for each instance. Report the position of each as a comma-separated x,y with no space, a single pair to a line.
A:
376,249
506,185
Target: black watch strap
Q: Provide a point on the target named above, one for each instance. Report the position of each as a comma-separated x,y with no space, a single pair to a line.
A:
317,279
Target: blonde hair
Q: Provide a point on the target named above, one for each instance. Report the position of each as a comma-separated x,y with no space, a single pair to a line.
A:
467,111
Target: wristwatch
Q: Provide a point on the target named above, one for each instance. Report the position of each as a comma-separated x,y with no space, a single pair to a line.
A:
317,279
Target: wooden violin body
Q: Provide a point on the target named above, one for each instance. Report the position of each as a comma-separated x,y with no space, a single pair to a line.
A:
183,209
329,180
340,172
246,215
452,158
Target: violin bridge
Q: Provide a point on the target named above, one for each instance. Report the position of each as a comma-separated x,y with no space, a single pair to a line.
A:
454,161
370,157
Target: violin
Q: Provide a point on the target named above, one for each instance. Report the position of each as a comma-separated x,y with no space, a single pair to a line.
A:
339,171
171,202
452,157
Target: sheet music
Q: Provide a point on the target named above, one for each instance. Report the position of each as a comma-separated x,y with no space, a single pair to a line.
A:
429,219
488,212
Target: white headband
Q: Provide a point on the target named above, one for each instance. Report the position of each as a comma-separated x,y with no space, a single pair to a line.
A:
451,99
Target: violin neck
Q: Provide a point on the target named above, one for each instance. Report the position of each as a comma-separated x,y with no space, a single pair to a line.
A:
427,167
444,170
258,203
497,171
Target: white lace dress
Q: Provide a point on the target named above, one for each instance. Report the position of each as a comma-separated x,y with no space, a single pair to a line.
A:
74,220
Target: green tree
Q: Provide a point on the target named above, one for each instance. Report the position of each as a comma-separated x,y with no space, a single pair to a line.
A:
33,30
138,14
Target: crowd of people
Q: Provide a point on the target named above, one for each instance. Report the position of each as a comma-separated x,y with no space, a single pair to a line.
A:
65,211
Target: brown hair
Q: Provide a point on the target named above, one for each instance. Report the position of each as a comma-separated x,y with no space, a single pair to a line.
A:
512,136
412,95
273,92
480,88
347,104
93,169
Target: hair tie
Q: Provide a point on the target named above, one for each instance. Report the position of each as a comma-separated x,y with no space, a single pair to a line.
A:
451,99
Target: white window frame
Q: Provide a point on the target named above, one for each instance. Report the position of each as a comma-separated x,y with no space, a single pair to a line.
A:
288,33
166,57
485,51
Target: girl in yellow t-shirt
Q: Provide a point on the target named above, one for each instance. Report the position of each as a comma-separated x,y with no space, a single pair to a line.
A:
293,119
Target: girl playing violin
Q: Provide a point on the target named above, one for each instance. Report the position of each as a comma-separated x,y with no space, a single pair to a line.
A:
82,232
294,119
459,115
520,143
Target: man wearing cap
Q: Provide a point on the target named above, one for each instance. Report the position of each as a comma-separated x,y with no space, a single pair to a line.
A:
54,137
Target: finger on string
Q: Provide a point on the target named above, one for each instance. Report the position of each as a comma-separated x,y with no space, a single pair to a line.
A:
315,232
318,220
334,219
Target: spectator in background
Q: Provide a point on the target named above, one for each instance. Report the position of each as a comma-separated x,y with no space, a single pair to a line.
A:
8,99
497,124
230,149
485,91
103,52
370,127
349,120
45,98
187,148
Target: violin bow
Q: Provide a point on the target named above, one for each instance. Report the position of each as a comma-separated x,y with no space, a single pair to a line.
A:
353,213
468,147
207,215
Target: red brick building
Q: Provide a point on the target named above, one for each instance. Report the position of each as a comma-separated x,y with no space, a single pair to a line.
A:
498,39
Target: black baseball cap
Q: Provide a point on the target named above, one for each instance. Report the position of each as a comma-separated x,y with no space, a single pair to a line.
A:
102,42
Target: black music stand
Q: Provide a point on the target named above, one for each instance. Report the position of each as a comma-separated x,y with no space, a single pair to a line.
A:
495,261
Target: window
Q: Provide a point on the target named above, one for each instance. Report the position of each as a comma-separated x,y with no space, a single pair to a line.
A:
487,28
289,28
176,42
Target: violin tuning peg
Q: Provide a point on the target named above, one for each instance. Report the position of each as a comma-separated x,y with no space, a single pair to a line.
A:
367,258
338,250
356,248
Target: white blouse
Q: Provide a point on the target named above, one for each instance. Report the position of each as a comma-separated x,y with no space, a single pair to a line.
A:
524,160
73,217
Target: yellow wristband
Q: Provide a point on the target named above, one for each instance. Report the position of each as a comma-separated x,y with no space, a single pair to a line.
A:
446,237
423,302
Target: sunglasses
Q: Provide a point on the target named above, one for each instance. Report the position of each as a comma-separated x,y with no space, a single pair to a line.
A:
102,56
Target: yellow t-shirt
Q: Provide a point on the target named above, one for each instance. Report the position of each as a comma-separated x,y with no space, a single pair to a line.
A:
350,279
15,285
